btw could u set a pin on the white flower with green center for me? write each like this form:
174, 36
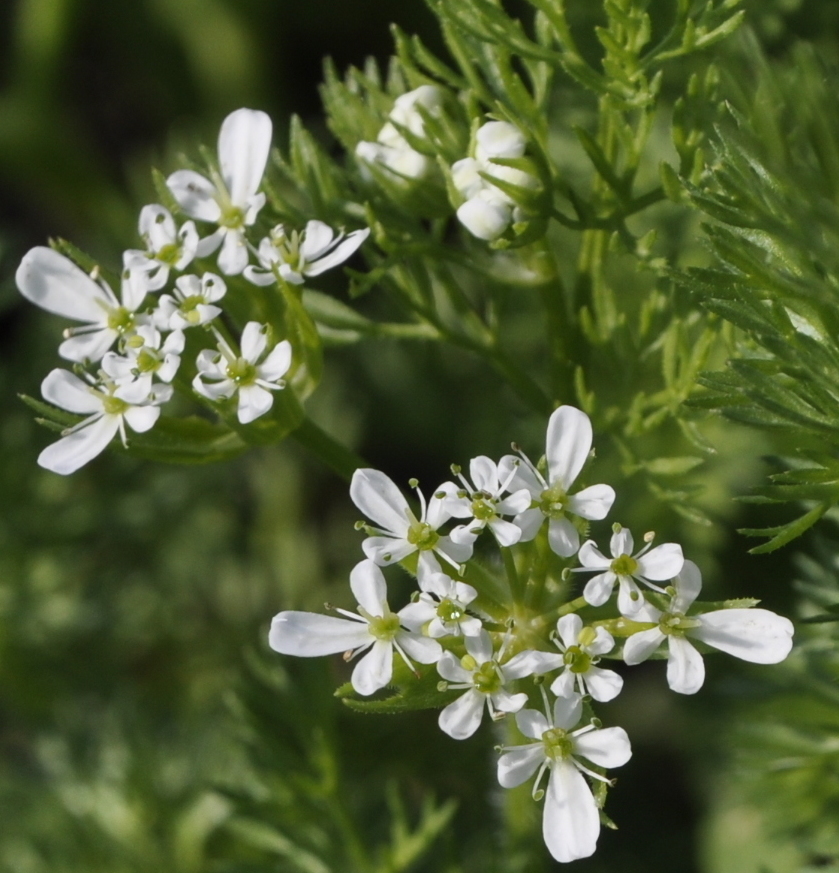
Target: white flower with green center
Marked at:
392, 150
300, 255
167, 247
231, 199
581, 648
484, 677
487, 211
400, 533
223, 374
107, 407
570, 819
441, 608
192, 302
568, 445
650, 565
373, 629
755, 635
482, 502
56, 284
146, 353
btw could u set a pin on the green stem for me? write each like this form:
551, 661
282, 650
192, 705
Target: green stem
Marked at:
571, 606
336, 456
512, 574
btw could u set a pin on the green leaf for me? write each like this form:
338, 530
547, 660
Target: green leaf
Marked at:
675, 466
190, 440
784, 533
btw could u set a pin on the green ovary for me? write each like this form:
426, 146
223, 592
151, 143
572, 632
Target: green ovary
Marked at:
674, 624
120, 319
423, 536
114, 406
558, 744
384, 627
450, 611
232, 216
242, 372
168, 254
625, 565
577, 660
552, 502
148, 361
482, 509
486, 678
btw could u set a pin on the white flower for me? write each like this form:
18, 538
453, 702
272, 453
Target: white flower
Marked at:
487, 211
56, 284
192, 303
223, 373
374, 627
482, 502
108, 408
442, 606
146, 353
231, 201
570, 820
568, 445
755, 635
581, 647
392, 150
480, 673
400, 532
647, 566
166, 247
310, 253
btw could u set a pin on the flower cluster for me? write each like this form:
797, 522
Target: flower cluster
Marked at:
500, 655
128, 349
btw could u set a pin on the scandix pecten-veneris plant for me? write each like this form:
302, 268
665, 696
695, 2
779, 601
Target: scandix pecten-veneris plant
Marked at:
463, 187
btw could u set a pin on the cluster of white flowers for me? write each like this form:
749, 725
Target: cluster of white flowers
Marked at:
487, 211
491, 659
128, 350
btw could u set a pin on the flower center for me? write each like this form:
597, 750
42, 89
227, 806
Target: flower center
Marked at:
114, 406
486, 678
625, 565
676, 623
384, 627
577, 660
242, 372
552, 502
483, 509
232, 216
148, 361
558, 745
120, 319
422, 535
168, 254
450, 611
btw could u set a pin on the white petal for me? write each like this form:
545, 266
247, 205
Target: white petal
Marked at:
640, 646
592, 503
599, 588
567, 711
79, 447
755, 635
479, 647
532, 723
518, 502
507, 533
212, 288
450, 668
621, 543
518, 765
568, 445
524, 477
570, 821
603, 642
471, 626
506, 702
437, 511
276, 365
380, 500
386, 550
88, 346
142, 418
568, 627
233, 257
466, 177
563, 537
369, 587
343, 251
462, 718
419, 648
630, 599
317, 237
254, 340
415, 615
464, 593
688, 584
65, 390
565, 684
157, 225
243, 146
374, 670
254, 401
529, 521
196, 195
484, 474
55, 283
685, 667
484, 219
308, 635
606, 748
530, 663
592, 558
499, 139
458, 552
209, 244
603, 685
662, 563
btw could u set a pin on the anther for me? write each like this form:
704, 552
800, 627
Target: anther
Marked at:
616, 528
359, 525
442, 686
456, 469
413, 482
347, 655
649, 536
515, 447
566, 574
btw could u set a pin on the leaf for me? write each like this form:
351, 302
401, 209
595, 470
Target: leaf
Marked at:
785, 533
675, 466
190, 440
408, 693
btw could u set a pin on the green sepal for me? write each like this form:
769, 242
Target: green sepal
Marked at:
784, 533
50, 416
84, 261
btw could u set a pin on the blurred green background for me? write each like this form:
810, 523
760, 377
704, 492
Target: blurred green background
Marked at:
144, 726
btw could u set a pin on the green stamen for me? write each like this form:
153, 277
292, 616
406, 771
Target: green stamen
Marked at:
486, 678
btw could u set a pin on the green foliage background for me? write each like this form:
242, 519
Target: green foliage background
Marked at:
145, 726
